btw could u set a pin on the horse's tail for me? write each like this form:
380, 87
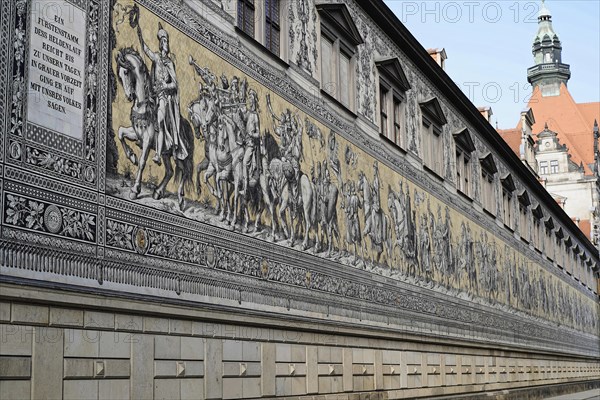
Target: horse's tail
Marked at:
184, 171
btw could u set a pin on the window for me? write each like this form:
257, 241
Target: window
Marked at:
508, 188
245, 14
537, 215
488, 192
262, 20
392, 86
383, 105
543, 167
432, 144
464, 148
272, 27
524, 220
554, 166
548, 240
339, 38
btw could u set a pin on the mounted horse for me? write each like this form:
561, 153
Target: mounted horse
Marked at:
305, 209
136, 81
203, 115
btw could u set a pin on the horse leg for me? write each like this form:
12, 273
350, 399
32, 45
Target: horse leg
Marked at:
160, 190
270, 206
181, 191
282, 215
329, 234
202, 166
131, 135
135, 190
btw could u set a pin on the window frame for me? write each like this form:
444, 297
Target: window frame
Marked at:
464, 149
393, 85
549, 242
242, 17
525, 230
271, 26
508, 197
537, 215
338, 29
432, 138
554, 167
488, 193
543, 167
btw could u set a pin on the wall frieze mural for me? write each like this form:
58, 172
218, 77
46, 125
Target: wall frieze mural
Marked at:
201, 170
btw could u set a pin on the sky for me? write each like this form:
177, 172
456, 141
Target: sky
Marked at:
488, 44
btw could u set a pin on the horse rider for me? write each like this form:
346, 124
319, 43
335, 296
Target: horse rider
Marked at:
167, 95
252, 140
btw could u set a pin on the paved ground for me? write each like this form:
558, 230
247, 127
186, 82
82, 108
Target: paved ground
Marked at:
588, 395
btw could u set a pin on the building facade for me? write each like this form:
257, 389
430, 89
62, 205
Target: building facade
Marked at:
566, 133
239, 199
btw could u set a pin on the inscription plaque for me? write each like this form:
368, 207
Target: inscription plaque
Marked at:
56, 67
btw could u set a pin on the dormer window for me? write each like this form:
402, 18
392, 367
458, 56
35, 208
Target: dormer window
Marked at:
339, 38
488, 176
537, 215
392, 87
524, 220
431, 134
508, 188
554, 166
543, 167
549, 239
464, 148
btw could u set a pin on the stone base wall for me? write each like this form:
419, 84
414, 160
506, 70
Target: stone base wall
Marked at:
118, 348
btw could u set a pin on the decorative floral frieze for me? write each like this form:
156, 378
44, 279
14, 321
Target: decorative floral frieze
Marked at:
41, 216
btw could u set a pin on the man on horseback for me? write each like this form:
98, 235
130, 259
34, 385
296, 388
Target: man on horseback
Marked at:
167, 97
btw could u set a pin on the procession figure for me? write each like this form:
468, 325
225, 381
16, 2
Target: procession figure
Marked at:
288, 128
425, 250
251, 161
371, 220
351, 204
167, 97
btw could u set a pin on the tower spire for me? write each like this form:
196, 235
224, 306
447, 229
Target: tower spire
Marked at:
549, 71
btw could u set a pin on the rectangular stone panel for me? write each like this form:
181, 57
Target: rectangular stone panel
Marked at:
30, 314
81, 343
142, 367
66, 317
213, 379
81, 390
47, 360
4, 312
15, 340
113, 389
15, 390
167, 347
191, 389
15, 367
290, 369
97, 320
167, 389
115, 344
76, 368
246, 369
269, 369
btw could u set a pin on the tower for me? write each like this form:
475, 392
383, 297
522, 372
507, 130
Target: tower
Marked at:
548, 72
